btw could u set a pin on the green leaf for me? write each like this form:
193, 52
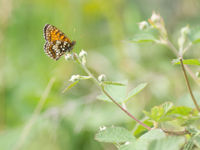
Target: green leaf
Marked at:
187, 61
113, 83
194, 35
160, 113
141, 130
143, 142
117, 92
143, 37
189, 145
70, 86
114, 135
167, 143
182, 110
135, 91
197, 141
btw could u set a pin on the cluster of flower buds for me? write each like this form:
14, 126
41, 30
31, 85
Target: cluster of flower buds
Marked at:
156, 21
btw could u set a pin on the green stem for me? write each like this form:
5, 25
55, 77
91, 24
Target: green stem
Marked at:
101, 87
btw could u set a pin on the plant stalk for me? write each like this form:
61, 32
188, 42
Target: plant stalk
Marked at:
188, 85
101, 87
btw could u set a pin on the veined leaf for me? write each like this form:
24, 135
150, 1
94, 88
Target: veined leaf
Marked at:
114, 135
167, 143
143, 142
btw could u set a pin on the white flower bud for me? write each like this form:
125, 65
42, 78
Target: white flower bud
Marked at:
68, 56
82, 53
102, 77
185, 30
74, 78
102, 128
197, 74
155, 17
143, 25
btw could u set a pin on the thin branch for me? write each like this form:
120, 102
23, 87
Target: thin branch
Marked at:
178, 133
124, 110
99, 85
188, 85
36, 112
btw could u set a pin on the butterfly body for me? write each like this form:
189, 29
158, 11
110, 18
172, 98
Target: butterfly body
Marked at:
57, 43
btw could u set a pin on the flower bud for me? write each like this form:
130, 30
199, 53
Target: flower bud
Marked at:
102, 77
74, 78
82, 53
68, 56
102, 128
143, 25
155, 17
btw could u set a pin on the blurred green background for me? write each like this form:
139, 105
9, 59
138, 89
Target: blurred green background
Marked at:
103, 28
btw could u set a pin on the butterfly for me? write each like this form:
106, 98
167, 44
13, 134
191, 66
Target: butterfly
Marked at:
57, 43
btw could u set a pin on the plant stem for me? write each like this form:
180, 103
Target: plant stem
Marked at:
188, 84
101, 87
35, 114
124, 110
178, 133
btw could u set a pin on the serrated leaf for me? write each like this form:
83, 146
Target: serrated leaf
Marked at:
143, 37
187, 61
182, 110
114, 135
167, 143
143, 142
194, 35
135, 91
160, 113
113, 83
70, 86
117, 92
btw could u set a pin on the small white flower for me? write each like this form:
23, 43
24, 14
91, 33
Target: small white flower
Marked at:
101, 77
127, 143
155, 17
185, 30
197, 74
74, 78
68, 56
82, 53
143, 25
102, 128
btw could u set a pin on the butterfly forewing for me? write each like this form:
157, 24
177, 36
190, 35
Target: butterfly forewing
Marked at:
57, 43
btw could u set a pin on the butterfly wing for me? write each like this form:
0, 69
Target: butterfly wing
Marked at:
57, 43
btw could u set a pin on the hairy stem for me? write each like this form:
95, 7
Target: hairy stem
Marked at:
188, 84
101, 87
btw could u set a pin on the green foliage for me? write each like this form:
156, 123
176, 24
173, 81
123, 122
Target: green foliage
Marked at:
194, 35
187, 61
114, 135
119, 91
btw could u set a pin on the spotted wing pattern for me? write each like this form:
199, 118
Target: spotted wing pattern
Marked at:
57, 43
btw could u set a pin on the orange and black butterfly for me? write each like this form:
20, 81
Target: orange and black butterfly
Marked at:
57, 43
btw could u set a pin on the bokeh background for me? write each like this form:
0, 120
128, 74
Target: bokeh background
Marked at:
104, 29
